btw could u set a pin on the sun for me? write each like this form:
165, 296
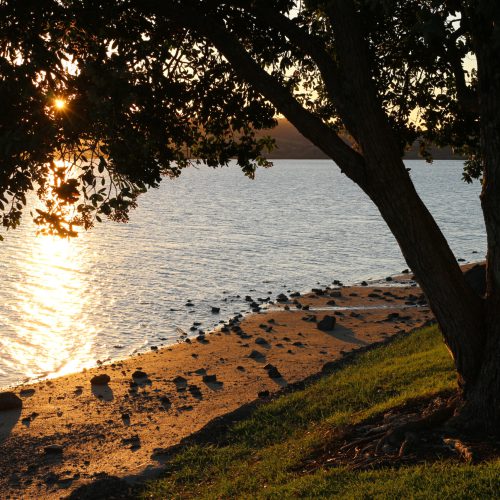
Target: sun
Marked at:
60, 103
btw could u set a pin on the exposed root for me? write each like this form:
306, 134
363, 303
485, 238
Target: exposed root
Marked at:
412, 433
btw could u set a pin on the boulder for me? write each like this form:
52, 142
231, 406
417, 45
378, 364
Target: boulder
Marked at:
327, 323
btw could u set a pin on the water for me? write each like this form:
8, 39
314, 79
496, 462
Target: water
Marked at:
209, 236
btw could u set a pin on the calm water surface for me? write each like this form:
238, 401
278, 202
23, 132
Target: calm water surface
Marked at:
209, 236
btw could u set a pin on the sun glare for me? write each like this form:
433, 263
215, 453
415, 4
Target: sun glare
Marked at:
60, 103
52, 334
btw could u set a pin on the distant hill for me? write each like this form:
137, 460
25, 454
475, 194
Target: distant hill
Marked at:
291, 144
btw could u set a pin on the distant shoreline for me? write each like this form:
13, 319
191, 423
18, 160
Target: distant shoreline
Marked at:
291, 145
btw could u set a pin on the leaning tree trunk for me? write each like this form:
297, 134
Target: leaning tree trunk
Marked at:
482, 406
458, 310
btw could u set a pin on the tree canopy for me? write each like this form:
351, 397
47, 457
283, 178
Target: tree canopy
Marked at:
150, 86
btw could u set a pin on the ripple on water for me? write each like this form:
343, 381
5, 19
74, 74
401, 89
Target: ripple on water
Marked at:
208, 236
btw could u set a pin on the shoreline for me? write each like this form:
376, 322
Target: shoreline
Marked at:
371, 282
69, 432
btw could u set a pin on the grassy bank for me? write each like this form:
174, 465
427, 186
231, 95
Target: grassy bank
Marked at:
263, 456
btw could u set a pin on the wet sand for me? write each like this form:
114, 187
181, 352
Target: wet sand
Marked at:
70, 432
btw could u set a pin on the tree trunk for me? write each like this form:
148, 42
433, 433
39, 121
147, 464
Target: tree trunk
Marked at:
456, 307
482, 405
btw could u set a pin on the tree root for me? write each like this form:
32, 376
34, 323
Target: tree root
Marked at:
413, 433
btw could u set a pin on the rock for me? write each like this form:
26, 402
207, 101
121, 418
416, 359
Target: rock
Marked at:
263, 394
165, 401
53, 449
272, 371
392, 316
261, 341
134, 442
311, 318
10, 401
256, 355
364, 283
327, 323
179, 380
281, 298
209, 378
215, 310
195, 391
26, 393
389, 278
331, 303
139, 374
405, 271
102, 379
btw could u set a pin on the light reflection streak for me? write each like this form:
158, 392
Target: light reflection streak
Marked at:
51, 334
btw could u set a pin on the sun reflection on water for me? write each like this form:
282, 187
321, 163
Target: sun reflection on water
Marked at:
51, 334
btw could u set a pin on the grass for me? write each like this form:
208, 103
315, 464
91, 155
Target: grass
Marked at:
260, 456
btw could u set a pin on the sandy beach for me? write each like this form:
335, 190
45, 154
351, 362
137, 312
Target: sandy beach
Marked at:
70, 432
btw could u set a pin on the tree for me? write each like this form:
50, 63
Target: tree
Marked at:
152, 86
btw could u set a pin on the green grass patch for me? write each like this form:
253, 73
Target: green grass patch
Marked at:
262, 454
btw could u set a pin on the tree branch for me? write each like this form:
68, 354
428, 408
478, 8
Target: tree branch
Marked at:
211, 28
313, 47
467, 98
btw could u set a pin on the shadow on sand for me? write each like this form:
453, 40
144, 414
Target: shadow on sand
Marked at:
103, 392
8, 420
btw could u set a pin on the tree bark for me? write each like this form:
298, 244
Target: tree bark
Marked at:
482, 406
456, 307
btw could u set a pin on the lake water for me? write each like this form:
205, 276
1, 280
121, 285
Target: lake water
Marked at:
206, 237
